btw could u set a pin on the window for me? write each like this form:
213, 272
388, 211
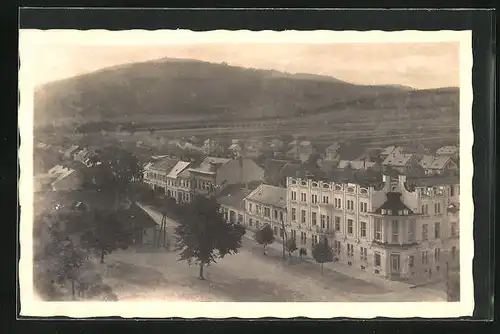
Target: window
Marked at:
425, 259
452, 191
337, 223
303, 237
338, 203
437, 208
257, 209
328, 222
325, 199
250, 207
453, 252
395, 262
363, 207
276, 214
453, 229
349, 226
337, 246
411, 260
294, 234
294, 196
303, 197
437, 230
350, 250
364, 253
267, 212
363, 229
314, 199
240, 218
378, 229
303, 216
250, 222
411, 231
425, 209
281, 215
313, 218
350, 205
395, 231
322, 221
437, 254
314, 239
294, 214
424, 232
377, 260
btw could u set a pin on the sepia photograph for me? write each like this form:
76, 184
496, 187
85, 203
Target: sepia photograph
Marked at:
275, 174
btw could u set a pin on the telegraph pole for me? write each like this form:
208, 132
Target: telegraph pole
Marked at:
447, 282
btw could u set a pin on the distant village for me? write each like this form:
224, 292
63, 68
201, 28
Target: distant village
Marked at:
390, 211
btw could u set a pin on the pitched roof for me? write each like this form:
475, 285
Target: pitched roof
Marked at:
397, 160
387, 150
429, 181
178, 168
267, 194
439, 162
215, 160
427, 161
355, 164
447, 150
305, 143
394, 204
276, 170
234, 198
135, 217
334, 146
164, 165
235, 147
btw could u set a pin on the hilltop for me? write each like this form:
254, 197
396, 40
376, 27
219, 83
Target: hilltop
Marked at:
194, 88
189, 94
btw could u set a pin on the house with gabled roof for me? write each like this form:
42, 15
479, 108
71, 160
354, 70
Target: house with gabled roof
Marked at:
178, 187
449, 151
332, 152
403, 163
232, 204
155, 174
437, 164
266, 205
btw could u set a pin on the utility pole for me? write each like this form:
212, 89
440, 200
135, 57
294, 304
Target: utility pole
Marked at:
447, 282
284, 238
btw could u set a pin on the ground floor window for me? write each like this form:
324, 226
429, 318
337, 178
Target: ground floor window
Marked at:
377, 259
275, 230
395, 262
303, 237
314, 239
350, 250
337, 246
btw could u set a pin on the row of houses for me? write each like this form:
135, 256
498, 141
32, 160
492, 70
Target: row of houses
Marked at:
399, 228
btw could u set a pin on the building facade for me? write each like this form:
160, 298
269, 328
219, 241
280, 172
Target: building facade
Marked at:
155, 174
400, 229
267, 205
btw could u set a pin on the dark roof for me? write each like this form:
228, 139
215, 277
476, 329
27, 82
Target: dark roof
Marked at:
235, 198
393, 205
275, 171
164, 164
434, 180
351, 152
135, 217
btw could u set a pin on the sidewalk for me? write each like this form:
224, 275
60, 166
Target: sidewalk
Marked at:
344, 269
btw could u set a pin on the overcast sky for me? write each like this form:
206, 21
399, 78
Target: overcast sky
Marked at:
419, 65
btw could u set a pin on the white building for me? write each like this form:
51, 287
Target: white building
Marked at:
266, 205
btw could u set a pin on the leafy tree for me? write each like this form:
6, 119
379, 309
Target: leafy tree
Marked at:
322, 252
265, 236
103, 233
61, 256
203, 236
113, 168
291, 246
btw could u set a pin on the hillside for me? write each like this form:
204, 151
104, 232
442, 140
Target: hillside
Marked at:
184, 89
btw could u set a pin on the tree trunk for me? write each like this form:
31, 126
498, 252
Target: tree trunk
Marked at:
73, 289
201, 271
322, 268
102, 255
265, 249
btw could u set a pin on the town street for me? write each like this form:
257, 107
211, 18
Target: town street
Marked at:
249, 276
